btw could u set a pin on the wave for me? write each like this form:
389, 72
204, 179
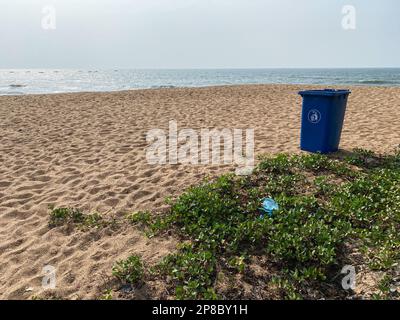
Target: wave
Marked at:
377, 82
8, 93
163, 87
17, 85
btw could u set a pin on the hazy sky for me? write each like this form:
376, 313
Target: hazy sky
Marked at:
198, 34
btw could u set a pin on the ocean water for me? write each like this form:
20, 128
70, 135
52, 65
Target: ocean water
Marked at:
35, 81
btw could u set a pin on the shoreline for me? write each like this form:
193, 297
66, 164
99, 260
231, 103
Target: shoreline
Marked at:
304, 86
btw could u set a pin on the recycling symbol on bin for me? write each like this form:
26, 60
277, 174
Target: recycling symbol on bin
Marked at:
314, 116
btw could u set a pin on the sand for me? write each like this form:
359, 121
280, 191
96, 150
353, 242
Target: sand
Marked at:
87, 150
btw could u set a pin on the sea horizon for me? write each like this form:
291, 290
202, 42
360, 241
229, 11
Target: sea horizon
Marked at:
46, 81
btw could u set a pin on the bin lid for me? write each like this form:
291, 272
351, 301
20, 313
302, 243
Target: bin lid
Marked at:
325, 92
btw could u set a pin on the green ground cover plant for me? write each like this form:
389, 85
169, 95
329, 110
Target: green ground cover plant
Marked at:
327, 204
129, 271
64, 216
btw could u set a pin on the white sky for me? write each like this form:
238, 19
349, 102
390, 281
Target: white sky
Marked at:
199, 34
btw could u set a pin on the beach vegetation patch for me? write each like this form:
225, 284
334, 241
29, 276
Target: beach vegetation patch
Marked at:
139, 218
129, 271
59, 216
73, 216
193, 271
331, 208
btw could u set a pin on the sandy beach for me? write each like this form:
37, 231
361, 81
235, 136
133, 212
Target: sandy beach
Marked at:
88, 150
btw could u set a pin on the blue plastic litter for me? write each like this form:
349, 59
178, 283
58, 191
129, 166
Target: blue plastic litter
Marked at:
268, 207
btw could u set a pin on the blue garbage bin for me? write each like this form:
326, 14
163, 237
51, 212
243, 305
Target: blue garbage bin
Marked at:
322, 119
